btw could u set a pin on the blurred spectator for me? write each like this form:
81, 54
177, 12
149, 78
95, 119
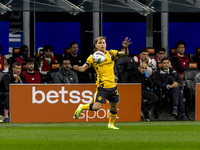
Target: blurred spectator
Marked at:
94, 49
121, 65
91, 70
159, 55
116, 79
74, 57
144, 57
23, 54
30, 75
15, 77
45, 62
77, 59
130, 68
65, 74
196, 79
149, 99
169, 81
3, 61
180, 60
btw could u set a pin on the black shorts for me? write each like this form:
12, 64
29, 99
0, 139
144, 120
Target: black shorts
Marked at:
111, 94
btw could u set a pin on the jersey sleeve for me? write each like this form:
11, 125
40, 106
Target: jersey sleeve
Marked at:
89, 61
114, 54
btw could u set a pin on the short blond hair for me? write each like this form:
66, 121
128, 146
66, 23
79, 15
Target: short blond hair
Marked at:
99, 38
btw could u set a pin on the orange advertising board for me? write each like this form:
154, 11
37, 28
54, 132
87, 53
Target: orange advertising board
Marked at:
58, 102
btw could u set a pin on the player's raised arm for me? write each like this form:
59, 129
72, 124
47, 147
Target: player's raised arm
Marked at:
125, 44
80, 68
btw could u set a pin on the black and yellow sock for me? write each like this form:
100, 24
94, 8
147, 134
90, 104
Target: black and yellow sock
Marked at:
87, 106
112, 117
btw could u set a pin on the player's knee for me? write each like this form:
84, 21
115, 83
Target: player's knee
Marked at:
96, 106
113, 109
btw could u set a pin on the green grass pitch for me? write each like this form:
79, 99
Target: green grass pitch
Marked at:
155, 135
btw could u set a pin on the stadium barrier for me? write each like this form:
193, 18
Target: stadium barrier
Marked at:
197, 113
58, 102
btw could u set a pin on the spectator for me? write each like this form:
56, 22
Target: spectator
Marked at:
180, 60
169, 81
196, 80
149, 99
91, 70
77, 59
3, 61
159, 55
23, 54
94, 49
131, 67
15, 77
74, 57
45, 62
144, 57
121, 65
116, 79
65, 74
30, 75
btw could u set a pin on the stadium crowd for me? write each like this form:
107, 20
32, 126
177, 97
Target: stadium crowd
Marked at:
162, 78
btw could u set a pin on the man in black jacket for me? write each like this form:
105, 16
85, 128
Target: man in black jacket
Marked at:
15, 77
169, 81
77, 59
149, 99
65, 74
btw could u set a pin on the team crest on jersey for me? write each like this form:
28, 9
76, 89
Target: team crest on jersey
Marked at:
99, 98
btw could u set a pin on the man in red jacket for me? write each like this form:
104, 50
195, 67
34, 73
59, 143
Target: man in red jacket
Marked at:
180, 60
30, 75
44, 63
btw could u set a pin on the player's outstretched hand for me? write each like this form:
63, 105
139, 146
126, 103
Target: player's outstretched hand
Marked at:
126, 42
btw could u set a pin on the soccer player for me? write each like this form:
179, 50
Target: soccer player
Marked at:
106, 86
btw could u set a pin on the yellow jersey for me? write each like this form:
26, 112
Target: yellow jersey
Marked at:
105, 70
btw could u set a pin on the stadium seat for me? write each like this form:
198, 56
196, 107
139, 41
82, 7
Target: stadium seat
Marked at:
55, 67
163, 101
172, 52
50, 76
190, 89
15, 52
121, 66
67, 51
151, 51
